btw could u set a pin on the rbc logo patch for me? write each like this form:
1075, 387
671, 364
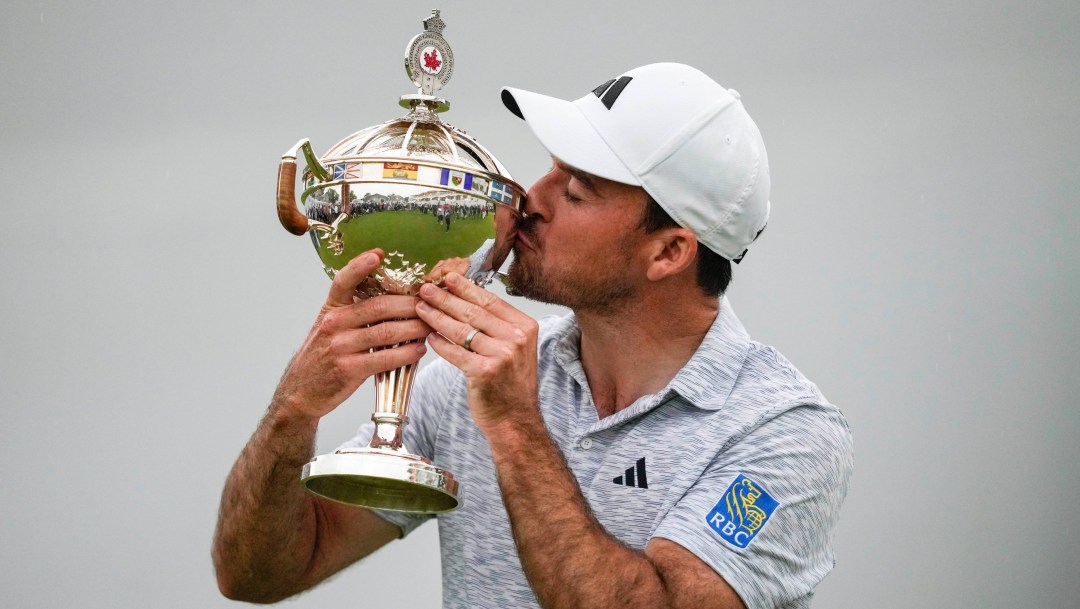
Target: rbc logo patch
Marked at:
744, 508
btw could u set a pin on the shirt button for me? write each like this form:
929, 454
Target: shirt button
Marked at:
586, 443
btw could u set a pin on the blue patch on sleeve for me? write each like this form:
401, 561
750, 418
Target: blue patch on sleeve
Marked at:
742, 511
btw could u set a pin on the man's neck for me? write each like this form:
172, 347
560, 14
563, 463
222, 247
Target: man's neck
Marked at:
637, 349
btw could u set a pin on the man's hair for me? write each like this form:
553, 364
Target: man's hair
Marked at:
713, 270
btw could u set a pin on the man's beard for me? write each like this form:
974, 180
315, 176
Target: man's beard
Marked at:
599, 290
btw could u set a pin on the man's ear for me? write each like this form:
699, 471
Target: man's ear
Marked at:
671, 251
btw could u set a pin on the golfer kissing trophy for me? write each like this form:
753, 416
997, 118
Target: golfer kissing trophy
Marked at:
435, 201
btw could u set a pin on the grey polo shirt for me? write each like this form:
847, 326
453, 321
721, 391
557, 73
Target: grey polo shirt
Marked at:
740, 459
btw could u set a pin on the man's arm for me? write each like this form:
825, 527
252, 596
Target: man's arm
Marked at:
273, 538
568, 557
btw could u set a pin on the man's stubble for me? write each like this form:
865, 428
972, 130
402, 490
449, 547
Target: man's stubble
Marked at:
596, 286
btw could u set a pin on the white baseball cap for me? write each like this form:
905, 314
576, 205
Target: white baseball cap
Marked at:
673, 131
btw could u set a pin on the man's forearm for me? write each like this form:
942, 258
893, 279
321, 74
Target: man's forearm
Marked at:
568, 557
273, 539
267, 524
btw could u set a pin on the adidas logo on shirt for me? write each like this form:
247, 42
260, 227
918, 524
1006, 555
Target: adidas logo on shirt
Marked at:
634, 476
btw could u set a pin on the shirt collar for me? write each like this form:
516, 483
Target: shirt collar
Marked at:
566, 346
707, 378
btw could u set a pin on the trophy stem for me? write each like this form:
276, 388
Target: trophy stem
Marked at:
392, 392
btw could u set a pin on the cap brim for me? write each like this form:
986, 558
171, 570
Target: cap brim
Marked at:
567, 134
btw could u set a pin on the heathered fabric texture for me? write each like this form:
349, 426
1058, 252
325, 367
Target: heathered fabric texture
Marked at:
737, 407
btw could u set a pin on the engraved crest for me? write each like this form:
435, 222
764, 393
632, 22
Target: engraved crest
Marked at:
429, 62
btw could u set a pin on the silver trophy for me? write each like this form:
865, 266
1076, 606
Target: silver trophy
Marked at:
435, 201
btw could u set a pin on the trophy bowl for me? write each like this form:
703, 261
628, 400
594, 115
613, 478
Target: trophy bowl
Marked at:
434, 200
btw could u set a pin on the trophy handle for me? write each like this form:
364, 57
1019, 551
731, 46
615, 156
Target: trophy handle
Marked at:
290, 216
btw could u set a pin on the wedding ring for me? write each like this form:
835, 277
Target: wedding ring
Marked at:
468, 339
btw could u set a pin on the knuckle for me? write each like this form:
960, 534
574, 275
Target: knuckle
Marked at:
335, 344
487, 298
520, 338
385, 333
339, 367
488, 371
330, 321
378, 306
471, 313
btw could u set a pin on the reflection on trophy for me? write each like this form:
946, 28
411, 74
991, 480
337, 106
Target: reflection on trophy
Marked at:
435, 201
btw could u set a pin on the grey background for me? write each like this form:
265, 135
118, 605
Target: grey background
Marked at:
921, 265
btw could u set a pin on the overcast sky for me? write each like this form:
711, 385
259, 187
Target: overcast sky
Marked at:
921, 265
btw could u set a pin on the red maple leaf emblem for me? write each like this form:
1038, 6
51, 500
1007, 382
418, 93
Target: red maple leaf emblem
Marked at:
432, 61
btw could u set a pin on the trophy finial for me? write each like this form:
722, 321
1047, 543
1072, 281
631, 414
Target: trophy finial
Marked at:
429, 62
434, 23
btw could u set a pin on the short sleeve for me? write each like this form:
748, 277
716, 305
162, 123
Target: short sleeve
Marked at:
762, 513
419, 434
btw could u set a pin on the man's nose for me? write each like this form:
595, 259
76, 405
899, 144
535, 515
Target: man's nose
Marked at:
537, 202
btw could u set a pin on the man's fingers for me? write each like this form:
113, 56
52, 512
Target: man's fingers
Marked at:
455, 354
381, 308
386, 359
346, 280
380, 335
455, 317
367, 312
459, 331
470, 292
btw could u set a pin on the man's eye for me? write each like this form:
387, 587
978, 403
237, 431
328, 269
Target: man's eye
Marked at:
571, 198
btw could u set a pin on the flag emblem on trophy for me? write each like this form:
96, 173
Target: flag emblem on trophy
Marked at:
344, 171
457, 179
501, 192
400, 171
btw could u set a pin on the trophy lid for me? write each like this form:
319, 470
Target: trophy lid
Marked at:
420, 135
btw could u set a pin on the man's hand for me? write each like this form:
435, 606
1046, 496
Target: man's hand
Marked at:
501, 361
336, 357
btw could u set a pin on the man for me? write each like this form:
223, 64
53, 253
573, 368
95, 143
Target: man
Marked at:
641, 452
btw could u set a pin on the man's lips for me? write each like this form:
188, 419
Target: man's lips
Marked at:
524, 240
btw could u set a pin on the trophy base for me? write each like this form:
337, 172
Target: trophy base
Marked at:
383, 480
